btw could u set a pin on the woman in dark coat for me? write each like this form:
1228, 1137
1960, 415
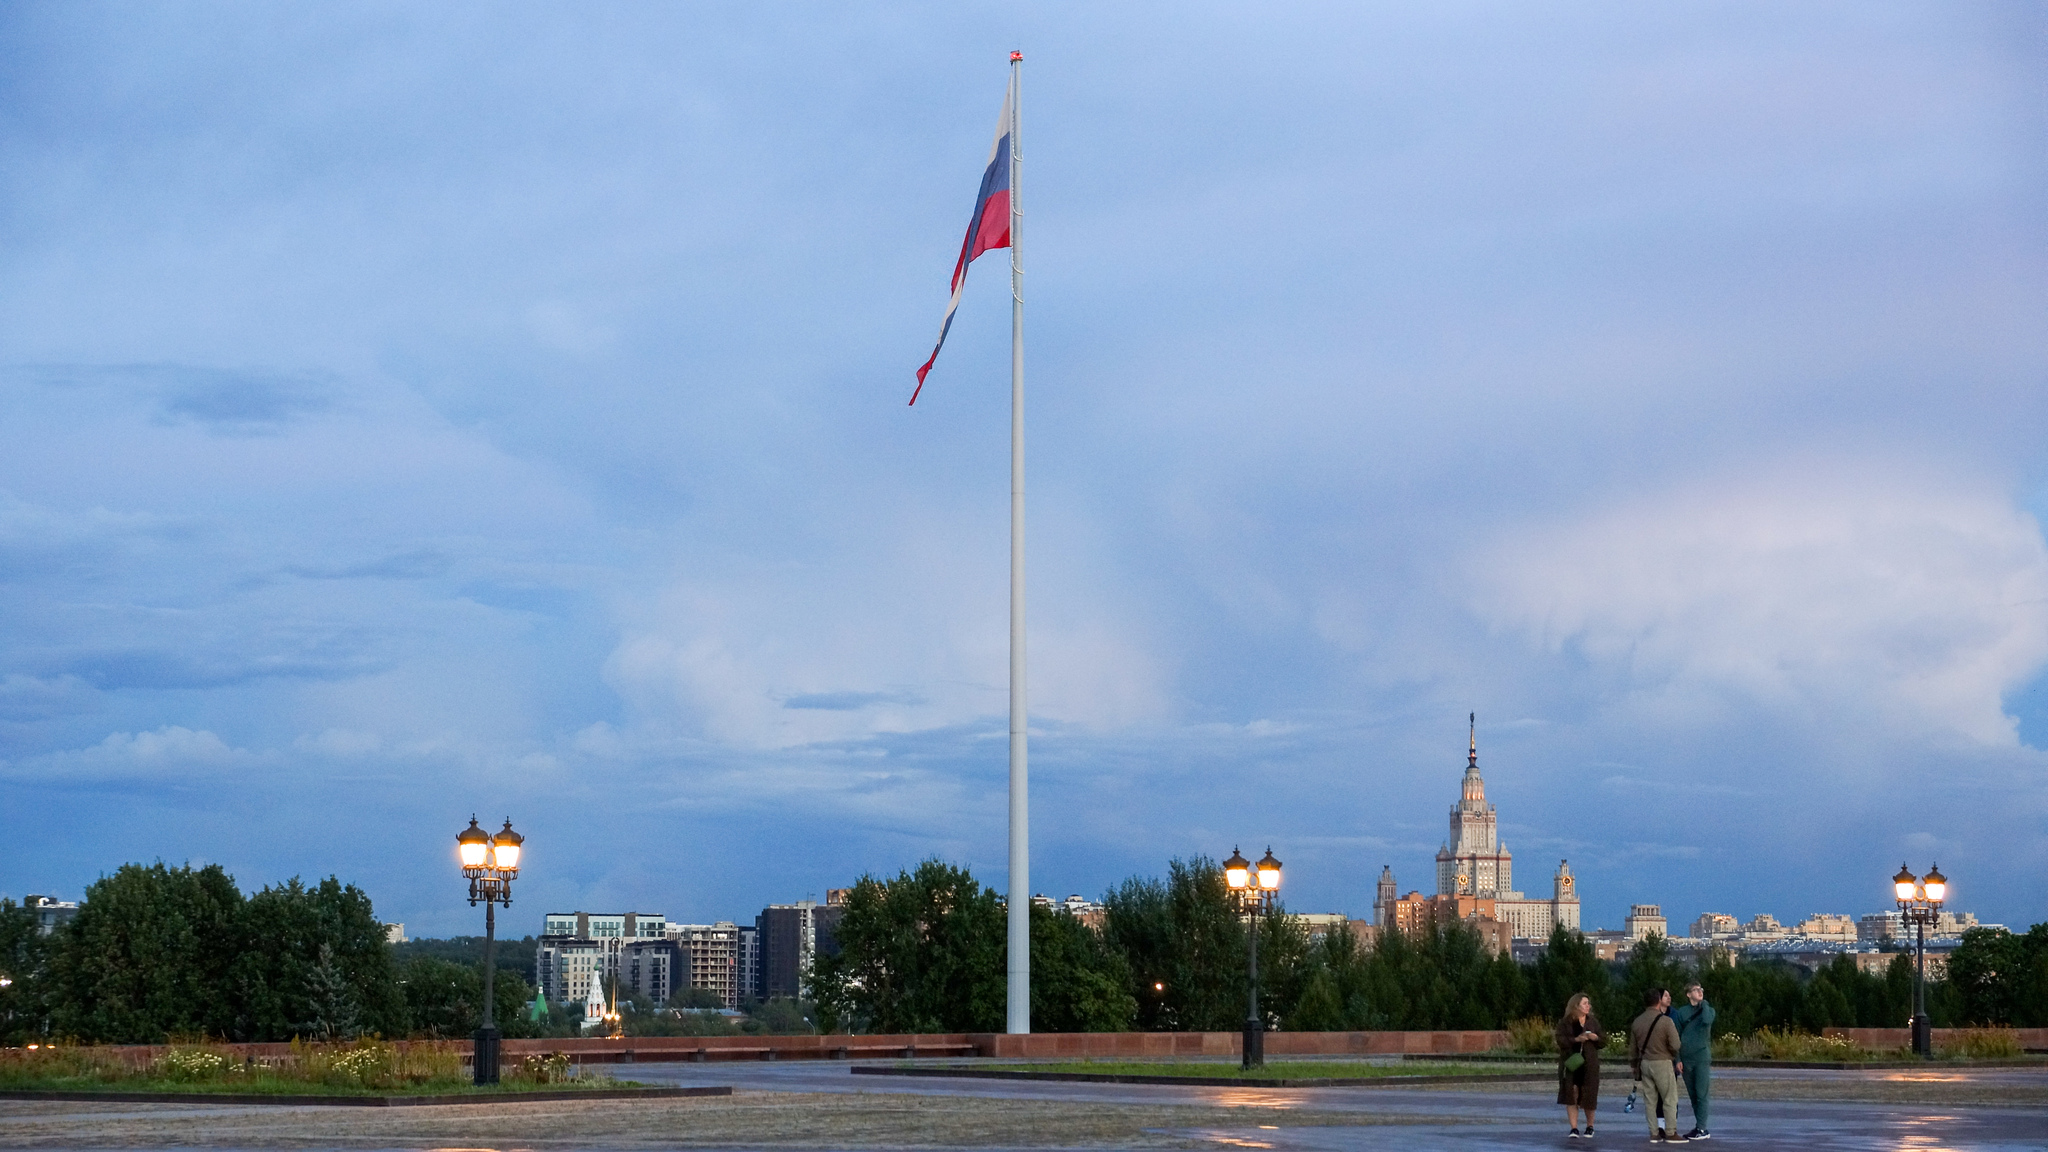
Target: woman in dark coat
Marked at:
1579, 1090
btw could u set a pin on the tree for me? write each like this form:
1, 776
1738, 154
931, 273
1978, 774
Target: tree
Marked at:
1569, 967
1319, 1009
1997, 978
1137, 926
444, 1000
512, 955
692, 998
780, 1016
1898, 992
319, 968
148, 955
1352, 974
1650, 966
1077, 983
921, 953
24, 964
1758, 994
2030, 986
1184, 946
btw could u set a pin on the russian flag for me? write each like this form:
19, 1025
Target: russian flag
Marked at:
988, 228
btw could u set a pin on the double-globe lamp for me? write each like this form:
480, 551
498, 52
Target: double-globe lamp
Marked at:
490, 862
1920, 899
1254, 886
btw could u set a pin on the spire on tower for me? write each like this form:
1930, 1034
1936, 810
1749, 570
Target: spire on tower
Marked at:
1473, 794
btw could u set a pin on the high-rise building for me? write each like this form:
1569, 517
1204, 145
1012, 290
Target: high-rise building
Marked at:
50, 912
1384, 897
1475, 863
1714, 925
750, 963
1826, 926
1642, 921
710, 957
1879, 927
1764, 926
1947, 923
791, 936
629, 951
1416, 912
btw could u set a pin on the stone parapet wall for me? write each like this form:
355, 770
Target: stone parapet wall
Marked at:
1100, 1045
1037, 1045
1882, 1039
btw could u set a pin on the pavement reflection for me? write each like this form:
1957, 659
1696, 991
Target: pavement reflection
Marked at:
1436, 1120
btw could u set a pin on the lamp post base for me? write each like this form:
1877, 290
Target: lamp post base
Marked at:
1254, 1045
1923, 1037
486, 1056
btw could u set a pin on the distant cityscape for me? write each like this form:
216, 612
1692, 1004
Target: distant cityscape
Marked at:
595, 958
1474, 884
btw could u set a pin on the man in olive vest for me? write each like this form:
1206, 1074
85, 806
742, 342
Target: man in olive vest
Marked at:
1695, 1021
1652, 1048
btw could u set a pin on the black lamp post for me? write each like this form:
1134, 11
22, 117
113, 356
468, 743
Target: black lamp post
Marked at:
491, 863
1920, 905
1254, 891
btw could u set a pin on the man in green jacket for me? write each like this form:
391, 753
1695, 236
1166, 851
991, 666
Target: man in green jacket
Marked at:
1695, 1020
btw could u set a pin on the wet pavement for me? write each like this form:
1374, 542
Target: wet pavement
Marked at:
1503, 1117
1478, 1118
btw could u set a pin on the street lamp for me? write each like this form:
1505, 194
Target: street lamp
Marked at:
1254, 894
1920, 900
491, 863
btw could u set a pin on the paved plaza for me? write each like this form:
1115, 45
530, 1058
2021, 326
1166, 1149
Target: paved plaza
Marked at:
820, 1105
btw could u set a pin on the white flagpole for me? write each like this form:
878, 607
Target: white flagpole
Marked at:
1020, 791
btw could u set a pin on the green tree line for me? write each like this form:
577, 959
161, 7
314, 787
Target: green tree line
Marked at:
156, 952
925, 952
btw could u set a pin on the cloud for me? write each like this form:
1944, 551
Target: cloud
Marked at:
803, 655
1854, 593
849, 701
340, 743
226, 401
171, 754
25, 697
418, 564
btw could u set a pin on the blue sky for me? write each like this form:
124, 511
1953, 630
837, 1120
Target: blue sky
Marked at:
501, 408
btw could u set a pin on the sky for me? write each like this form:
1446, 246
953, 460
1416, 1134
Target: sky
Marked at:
414, 412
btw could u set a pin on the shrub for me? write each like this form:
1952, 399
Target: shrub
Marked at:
38, 1065
1533, 1036
1982, 1044
1792, 1044
193, 1064
545, 1068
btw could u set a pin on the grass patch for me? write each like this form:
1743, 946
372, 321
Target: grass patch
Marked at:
362, 1068
1982, 1044
1278, 1070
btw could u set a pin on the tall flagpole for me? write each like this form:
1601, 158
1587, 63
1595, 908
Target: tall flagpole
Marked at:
1020, 790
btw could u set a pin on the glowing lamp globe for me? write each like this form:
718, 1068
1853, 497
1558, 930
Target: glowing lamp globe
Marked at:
505, 848
1936, 885
473, 845
1237, 871
1269, 872
1905, 884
